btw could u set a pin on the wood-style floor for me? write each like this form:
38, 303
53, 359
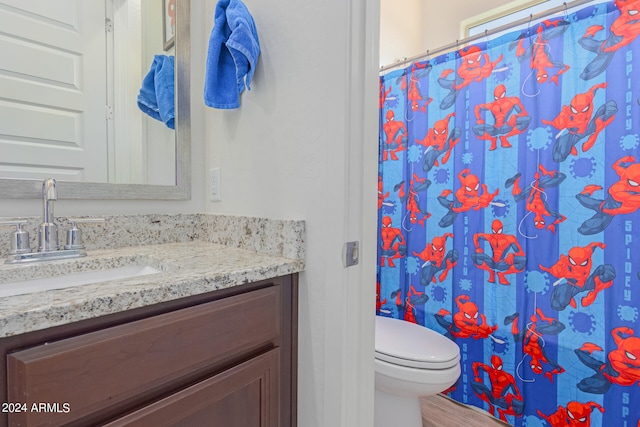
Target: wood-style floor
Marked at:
440, 411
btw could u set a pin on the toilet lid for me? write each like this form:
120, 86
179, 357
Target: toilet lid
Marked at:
407, 344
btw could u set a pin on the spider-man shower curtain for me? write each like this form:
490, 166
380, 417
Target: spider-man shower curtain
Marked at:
509, 188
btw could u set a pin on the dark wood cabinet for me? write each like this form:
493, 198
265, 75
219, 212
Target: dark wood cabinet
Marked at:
225, 358
243, 396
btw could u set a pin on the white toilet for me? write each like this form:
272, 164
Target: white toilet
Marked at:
411, 361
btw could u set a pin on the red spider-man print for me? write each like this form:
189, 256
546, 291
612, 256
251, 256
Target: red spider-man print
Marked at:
453, 388
624, 360
577, 114
416, 184
507, 255
393, 244
577, 121
381, 194
383, 94
509, 118
623, 197
502, 391
574, 275
379, 302
438, 141
407, 306
533, 342
467, 197
393, 132
435, 260
474, 66
622, 31
409, 310
409, 303
468, 322
626, 191
436, 137
576, 414
626, 26
537, 197
622, 366
417, 102
539, 51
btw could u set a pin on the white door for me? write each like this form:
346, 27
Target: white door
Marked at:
53, 90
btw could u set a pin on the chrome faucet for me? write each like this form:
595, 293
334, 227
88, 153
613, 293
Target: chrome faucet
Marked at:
48, 247
48, 231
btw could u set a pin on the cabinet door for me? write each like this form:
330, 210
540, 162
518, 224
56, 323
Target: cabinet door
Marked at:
243, 396
109, 371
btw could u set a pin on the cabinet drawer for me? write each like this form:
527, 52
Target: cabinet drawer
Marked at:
243, 396
98, 372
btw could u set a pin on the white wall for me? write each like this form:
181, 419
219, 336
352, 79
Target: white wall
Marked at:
443, 18
411, 27
297, 148
402, 28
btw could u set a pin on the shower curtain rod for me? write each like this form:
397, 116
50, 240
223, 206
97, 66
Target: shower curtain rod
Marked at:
455, 45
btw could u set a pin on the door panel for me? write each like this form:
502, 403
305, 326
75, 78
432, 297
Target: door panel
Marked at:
243, 396
52, 81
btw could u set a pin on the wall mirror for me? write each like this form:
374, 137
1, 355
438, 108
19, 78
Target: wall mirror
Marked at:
63, 123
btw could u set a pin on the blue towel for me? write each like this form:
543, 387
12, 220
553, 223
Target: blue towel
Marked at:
232, 55
156, 97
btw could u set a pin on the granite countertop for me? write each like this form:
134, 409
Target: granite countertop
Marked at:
188, 268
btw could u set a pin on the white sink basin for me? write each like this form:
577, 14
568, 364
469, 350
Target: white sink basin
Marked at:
66, 281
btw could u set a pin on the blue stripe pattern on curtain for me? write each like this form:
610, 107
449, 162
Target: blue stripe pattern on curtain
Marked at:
509, 188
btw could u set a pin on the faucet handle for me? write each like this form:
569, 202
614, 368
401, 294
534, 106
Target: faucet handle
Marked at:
19, 238
74, 234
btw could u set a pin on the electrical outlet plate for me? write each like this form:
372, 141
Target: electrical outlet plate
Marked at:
214, 185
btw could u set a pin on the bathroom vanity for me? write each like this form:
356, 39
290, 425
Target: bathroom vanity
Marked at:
209, 340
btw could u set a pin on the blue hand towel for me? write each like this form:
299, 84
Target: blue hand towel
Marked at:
232, 55
156, 97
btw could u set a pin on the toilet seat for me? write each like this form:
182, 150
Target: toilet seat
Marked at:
410, 345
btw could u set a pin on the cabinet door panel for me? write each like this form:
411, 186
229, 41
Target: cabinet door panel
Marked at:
101, 372
243, 396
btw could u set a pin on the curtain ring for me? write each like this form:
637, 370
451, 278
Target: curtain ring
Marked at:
566, 12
